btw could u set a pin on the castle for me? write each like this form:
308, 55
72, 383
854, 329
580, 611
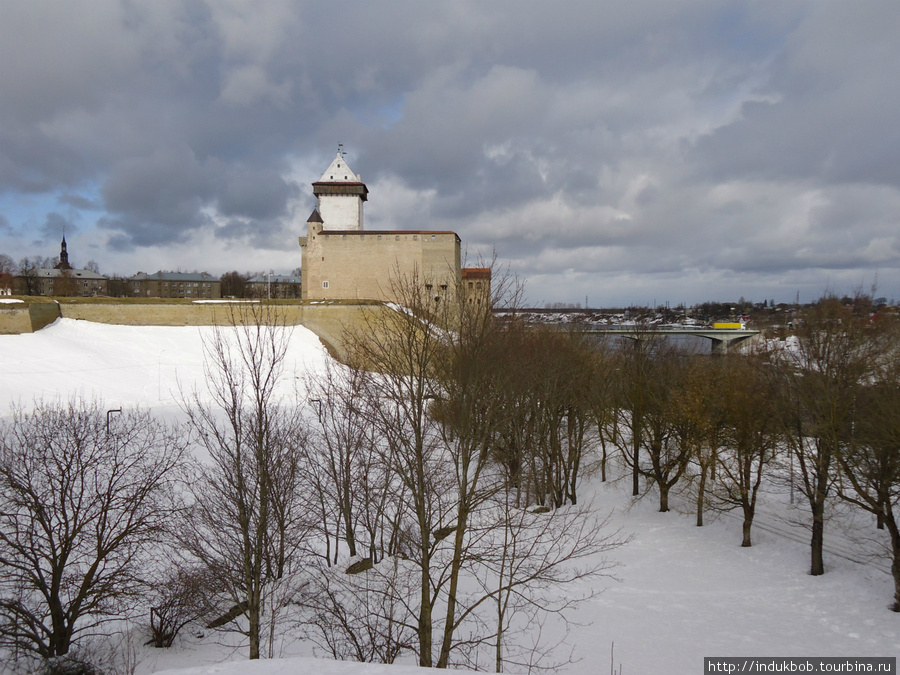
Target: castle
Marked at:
340, 260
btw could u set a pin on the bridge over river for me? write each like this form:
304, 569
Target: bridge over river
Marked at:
722, 338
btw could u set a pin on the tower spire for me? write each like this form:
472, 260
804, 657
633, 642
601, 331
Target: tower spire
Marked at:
63, 263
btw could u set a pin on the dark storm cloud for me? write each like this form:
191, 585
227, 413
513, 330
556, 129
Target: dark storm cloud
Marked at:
32, 163
257, 192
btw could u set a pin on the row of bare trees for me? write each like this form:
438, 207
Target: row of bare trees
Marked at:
819, 410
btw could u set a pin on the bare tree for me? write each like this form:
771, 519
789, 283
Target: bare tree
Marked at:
661, 440
347, 471
697, 406
28, 273
640, 351
7, 272
549, 405
526, 563
837, 348
246, 523
82, 500
234, 284
751, 438
180, 595
870, 460
401, 350
362, 616
604, 402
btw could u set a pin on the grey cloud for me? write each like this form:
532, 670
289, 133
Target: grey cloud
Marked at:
79, 202
32, 163
56, 225
258, 192
831, 105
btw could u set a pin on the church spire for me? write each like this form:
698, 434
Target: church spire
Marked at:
63, 263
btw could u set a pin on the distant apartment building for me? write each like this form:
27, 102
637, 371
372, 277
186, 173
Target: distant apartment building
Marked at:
275, 286
188, 285
63, 280
64, 283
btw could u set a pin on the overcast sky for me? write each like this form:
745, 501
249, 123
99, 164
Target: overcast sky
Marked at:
621, 152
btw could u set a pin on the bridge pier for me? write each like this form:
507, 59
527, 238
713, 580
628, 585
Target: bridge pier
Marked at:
720, 346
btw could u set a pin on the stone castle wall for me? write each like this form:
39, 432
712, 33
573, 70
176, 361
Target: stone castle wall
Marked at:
327, 321
361, 265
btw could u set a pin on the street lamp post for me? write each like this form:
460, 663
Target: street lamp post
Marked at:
108, 413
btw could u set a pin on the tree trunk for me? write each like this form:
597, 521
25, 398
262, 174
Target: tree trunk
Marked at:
701, 493
663, 497
894, 530
424, 624
817, 562
253, 616
748, 522
635, 471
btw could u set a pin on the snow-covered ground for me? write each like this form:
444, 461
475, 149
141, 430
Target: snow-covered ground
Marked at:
681, 592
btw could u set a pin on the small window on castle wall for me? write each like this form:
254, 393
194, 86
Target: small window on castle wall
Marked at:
324, 284
379, 237
415, 237
397, 237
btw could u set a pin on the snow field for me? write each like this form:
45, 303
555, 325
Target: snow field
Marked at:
682, 592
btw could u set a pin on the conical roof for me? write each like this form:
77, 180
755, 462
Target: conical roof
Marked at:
339, 172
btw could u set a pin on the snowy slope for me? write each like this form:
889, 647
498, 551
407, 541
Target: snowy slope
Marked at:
123, 365
682, 592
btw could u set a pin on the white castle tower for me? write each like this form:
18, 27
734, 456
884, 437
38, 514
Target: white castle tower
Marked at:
341, 194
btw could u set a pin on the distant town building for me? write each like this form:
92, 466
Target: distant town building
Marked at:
275, 286
70, 283
191, 285
62, 280
340, 260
